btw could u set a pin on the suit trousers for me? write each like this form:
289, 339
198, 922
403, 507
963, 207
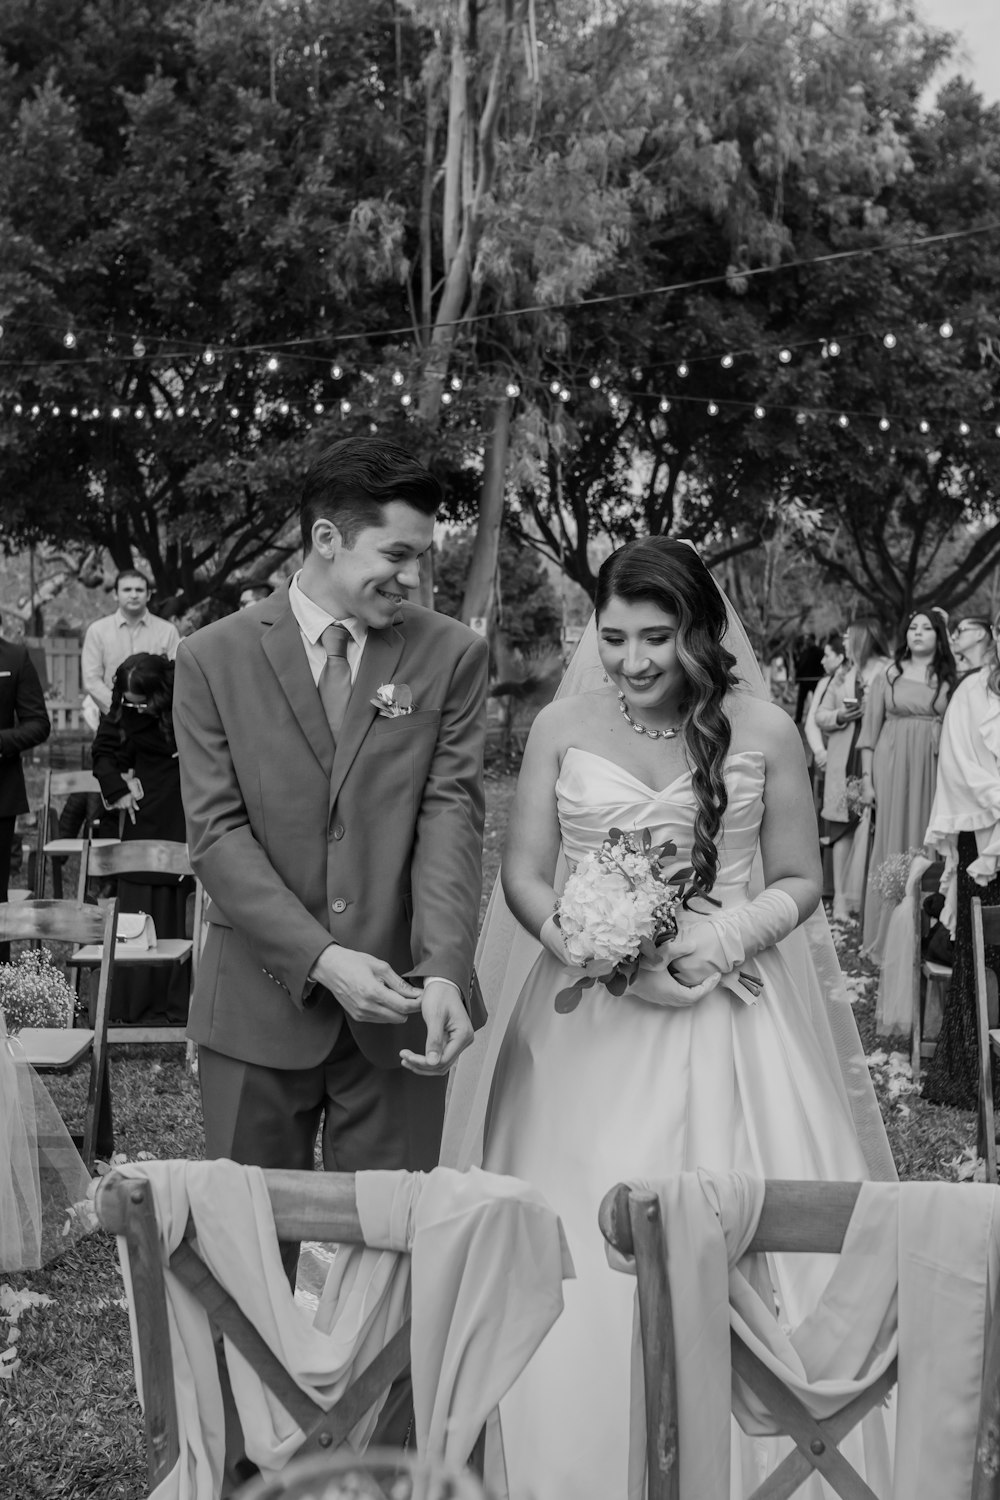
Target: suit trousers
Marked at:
371, 1118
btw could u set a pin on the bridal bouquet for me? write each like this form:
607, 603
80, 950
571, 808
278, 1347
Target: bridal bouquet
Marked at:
617, 908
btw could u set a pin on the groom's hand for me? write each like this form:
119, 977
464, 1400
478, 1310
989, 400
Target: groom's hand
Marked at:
449, 1030
368, 988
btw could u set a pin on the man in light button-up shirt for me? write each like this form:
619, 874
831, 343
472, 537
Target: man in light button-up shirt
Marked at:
113, 639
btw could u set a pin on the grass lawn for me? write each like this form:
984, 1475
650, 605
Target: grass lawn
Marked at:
69, 1422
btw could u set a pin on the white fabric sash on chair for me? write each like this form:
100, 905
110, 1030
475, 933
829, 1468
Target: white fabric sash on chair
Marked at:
916, 1276
487, 1258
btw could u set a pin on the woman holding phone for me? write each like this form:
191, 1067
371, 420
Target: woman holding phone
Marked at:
839, 716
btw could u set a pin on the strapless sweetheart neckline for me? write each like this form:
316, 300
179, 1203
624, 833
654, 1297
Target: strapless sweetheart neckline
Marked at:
684, 776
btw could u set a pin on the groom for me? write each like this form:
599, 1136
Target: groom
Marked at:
331, 756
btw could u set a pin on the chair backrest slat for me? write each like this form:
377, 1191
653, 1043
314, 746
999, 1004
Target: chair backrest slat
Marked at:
62, 921
991, 926
314, 1206
139, 856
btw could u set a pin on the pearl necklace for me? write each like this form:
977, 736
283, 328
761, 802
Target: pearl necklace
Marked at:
653, 734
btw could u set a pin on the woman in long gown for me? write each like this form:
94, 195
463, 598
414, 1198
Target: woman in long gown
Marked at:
684, 1070
899, 747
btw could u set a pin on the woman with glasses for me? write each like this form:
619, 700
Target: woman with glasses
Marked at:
135, 761
973, 644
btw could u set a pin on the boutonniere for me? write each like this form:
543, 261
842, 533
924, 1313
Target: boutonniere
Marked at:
393, 700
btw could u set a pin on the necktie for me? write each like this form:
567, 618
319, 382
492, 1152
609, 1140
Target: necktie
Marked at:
335, 678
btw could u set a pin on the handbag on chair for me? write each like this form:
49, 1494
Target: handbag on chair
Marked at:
135, 931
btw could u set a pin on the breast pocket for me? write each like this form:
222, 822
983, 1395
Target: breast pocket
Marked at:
418, 725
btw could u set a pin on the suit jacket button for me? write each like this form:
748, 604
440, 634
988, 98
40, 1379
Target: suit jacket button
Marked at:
339, 905
338, 831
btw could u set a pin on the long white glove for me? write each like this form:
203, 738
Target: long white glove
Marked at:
726, 942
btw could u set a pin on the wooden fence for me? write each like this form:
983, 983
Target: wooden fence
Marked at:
61, 679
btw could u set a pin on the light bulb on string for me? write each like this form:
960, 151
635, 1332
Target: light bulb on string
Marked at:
713, 410
843, 420
283, 408
138, 348
456, 383
554, 387
997, 431
373, 427
180, 411
446, 398
564, 394
95, 413
963, 428
139, 413
889, 340
208, 357
258, 412
74, 411
69, 339
234, 412
925, 426
116, 412
613, 400
55, 411
758, 412
595, 382
345, 407
319, 408
884, 424
726, 361
785, 356
18, 409
683, 370
800, 418
512, 389
946, 330
664, 404
35, 410
272, 364
397, 377
834, 348
405, 400
336, 371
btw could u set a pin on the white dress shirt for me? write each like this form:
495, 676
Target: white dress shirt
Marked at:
113, 639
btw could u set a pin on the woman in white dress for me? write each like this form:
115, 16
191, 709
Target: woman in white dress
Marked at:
685, 1069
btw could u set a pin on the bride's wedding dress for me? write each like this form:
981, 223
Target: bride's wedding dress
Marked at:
622, 1089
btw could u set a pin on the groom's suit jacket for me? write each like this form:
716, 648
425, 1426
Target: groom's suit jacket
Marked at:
377, 846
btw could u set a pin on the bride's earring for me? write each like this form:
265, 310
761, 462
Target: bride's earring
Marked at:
605, 676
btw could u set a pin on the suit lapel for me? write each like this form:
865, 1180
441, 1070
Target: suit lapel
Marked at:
383, 648
282, 645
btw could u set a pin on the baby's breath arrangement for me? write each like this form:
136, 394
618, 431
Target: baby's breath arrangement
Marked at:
889, 880
33, 992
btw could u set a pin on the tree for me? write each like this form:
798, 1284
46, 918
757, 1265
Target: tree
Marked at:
529, 610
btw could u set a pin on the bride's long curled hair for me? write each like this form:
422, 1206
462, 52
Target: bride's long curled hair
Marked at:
671, 575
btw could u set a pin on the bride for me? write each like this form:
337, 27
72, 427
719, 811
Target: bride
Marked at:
687, 1068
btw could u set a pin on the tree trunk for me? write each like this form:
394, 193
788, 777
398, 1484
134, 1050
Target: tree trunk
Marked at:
479, 600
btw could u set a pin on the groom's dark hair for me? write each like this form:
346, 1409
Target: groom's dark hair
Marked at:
352, 479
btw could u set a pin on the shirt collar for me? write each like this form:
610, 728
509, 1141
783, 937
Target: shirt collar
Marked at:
121, 619
313, 619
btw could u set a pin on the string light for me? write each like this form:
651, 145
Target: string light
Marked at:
564, 394
512, 389
682, 371
405, 400
595, 383
234, 411
318, 409
800, 417
727, 361
69, 339
889, 340
884, 424
345, 407
116, 412
963, 428
843, 420
925, 426
272, 364
758, 412
180, 411
834, 348
554, 386
336, 372
446, 398
785, 355
138, 349
397, 377
664, 404
456, 383
946, 330
208, 357
713, 410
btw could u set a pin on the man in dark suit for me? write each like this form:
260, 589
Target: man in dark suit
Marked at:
331, 755
24, 722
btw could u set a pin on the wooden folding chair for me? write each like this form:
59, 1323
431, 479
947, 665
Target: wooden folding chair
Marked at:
59, 784
306, 1205
810, 1217
56, 1049
144, 857
986, 934
929, 980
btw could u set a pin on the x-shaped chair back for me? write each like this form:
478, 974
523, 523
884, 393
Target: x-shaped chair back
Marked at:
809, 1217
306, 1206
